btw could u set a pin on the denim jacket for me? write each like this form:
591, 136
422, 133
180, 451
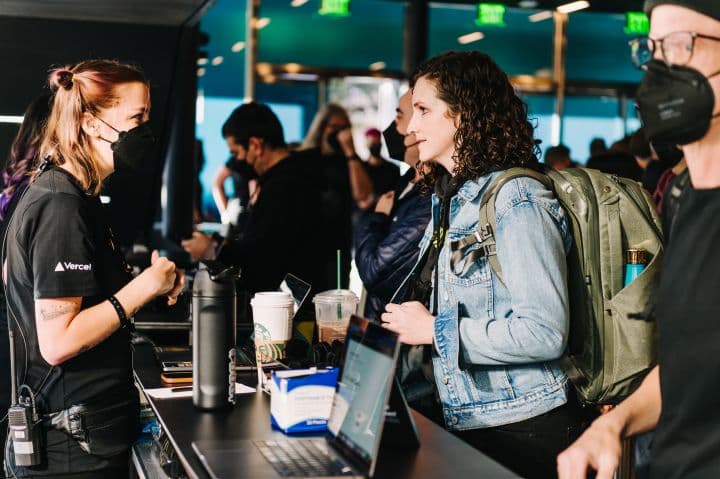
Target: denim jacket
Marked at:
495, 343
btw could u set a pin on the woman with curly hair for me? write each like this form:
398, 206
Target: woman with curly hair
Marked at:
494, 343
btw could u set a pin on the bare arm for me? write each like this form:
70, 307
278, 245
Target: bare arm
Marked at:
64, 331
218, 188
360, 183
599, 447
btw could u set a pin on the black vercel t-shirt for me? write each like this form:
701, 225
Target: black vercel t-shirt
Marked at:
59, 245
687, 442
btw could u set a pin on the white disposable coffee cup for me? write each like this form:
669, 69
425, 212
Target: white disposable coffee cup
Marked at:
272, 318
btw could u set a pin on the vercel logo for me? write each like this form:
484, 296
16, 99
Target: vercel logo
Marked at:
68, 266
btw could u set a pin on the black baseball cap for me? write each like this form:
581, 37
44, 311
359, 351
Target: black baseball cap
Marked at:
711, 8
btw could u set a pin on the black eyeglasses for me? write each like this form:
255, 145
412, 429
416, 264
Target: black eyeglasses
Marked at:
676, 48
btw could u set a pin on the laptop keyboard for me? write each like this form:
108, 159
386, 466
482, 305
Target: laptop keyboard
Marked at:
302, 458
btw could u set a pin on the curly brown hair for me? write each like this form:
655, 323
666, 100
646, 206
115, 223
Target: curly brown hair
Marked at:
493, 128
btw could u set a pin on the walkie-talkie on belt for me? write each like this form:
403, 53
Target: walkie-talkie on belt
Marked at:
23, 420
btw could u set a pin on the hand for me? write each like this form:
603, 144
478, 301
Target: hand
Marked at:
345, 140
599, 448
198, 246
412, 321
160, 275
177, 287
385, 203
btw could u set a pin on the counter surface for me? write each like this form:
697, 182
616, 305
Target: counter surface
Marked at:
440, 454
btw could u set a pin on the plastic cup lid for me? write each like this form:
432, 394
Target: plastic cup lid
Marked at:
336, 296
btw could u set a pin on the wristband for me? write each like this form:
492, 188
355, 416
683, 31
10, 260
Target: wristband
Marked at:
124, 321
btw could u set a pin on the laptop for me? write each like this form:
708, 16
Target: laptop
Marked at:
355, 426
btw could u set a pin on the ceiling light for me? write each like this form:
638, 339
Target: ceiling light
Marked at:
377, 66
470, 37
11, 119
540, 16
263, 69
573, 6
237, 47
298, 3
201, 72
527, 3
261, 23
217, 60
202, 61
299, 76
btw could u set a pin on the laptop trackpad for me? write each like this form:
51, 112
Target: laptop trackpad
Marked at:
223, 459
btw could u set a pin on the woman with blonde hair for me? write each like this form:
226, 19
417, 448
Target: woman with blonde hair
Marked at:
348, 185
70, 296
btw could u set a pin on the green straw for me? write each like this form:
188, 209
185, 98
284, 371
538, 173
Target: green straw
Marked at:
338, 269
339, 306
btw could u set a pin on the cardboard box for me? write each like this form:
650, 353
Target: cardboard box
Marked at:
301, 399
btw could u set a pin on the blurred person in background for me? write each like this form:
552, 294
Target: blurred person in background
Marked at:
284, 232
386, 239
348, 187
558, 157
597, 146
243, 176
383, 174
617, 161
23, 159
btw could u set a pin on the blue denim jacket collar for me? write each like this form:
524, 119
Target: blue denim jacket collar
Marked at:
472, 188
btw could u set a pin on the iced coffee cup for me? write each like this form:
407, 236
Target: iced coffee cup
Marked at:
272, 319
333, 309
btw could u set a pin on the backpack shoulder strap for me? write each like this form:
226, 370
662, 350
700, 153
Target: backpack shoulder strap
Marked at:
484, 235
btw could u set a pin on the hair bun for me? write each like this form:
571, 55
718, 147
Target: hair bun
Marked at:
63, 78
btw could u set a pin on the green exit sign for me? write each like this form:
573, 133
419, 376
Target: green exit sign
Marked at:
637, 23
335, 8
490, 14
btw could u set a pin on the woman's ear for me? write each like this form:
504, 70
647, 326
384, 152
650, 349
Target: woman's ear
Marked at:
89, 125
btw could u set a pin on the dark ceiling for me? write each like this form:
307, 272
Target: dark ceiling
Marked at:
141, 12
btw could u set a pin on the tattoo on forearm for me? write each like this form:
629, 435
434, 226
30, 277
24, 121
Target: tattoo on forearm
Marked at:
48, 313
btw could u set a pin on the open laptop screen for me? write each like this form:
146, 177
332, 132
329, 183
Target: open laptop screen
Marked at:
297, 288
358, 412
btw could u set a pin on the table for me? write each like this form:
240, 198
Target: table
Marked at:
441, 454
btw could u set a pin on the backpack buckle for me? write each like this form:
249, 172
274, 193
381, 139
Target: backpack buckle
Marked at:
483, 233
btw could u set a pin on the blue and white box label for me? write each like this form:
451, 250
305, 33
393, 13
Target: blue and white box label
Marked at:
301, 399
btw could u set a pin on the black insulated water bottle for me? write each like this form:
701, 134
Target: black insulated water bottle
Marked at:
214, 319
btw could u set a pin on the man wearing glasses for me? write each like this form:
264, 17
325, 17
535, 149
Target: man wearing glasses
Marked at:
681, 396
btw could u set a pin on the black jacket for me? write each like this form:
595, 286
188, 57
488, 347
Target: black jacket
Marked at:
386, 247
284, 231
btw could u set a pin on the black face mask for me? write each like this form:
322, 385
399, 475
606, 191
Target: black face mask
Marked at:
375, 150
675, 103
395, 142
131, 147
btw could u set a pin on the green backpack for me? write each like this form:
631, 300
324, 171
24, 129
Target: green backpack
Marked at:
608, 352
